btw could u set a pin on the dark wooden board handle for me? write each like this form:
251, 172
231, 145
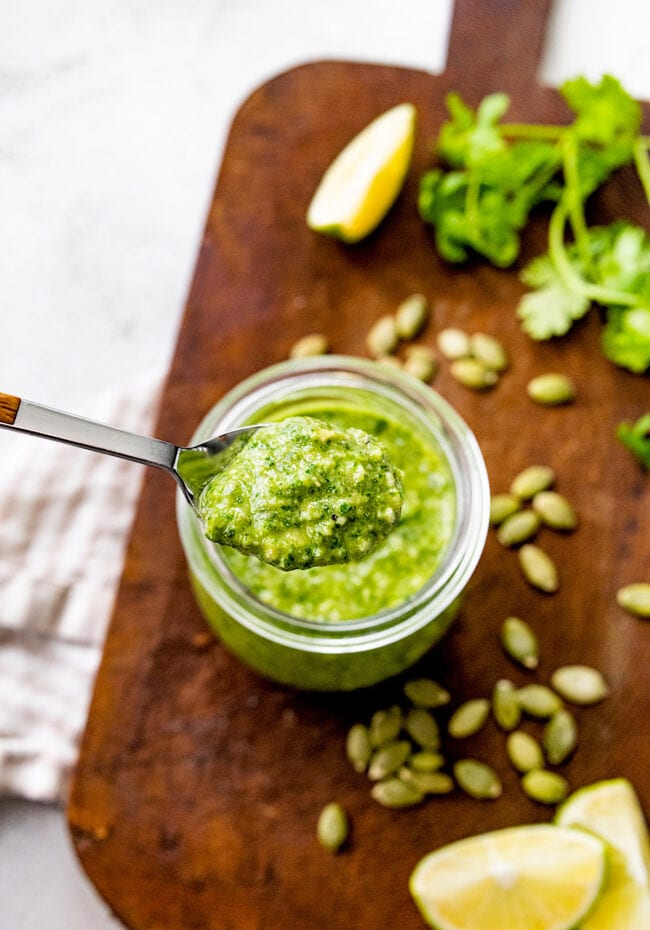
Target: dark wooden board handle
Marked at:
8, 408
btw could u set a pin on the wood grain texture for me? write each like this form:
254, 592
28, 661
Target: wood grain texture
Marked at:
199, 784
8, 408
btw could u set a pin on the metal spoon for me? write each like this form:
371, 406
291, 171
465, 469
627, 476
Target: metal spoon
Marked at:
191, 466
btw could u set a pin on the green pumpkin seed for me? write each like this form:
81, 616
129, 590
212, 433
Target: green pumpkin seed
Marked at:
538, 568
524, 751
635, 599
544, 786
477, 779
503, 506
580, 684
385, 725
555, 511
560, 736
453, 343
538, 700
519, 642
518, 528
551, 389
395, 793
531, 480
312, 344
388, 759
489, 351
391, 361
469, 718
421, 726
358, 747
382, 338
426, 761
411, 316
473, 374
427, 782
421, 362
506, 708
424, 692
333, 827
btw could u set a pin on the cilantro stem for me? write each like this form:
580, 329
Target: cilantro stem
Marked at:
642, 163
532, 131
573, 198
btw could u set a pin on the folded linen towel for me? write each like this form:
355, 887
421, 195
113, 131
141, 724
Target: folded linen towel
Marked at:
65, 516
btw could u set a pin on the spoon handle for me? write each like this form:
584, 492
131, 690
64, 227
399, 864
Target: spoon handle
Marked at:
26, 417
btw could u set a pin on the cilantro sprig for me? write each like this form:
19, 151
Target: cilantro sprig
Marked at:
636, 436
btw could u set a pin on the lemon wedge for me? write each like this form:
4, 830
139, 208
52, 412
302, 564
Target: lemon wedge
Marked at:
363, 181
611, 810
537, 877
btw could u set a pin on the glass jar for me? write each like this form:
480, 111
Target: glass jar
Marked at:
305, 646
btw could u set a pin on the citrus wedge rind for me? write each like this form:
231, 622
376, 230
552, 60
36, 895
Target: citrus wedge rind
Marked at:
363, 181
539, 877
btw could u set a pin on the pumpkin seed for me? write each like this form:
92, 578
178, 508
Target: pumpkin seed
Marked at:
427, 782
426, 761
388, 759
453, 343
489, 351
538, 700
411, 316
312, 344
385, 725
423, 729
580, 684
424, 692
560, 736
358, 747
555, 511
544, 786
382, 338
333, 827
518, 528
469, 718
395, 793
520, 642
635, 599
531, 480
524, 751
503, 506
551, 389
473, 374
391, 361
538, 568
421, 362
506, 708
477, 779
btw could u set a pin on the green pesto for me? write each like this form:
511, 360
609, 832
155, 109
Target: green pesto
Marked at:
396, 568
301, 493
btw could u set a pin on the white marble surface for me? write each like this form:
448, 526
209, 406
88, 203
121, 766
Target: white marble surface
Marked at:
113, 115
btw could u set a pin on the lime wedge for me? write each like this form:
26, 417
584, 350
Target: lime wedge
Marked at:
539, 877
363, 181
611, 810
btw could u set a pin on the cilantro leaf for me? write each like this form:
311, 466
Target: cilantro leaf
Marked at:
626, 338
469, 136
636, 436
606, 115
552, 307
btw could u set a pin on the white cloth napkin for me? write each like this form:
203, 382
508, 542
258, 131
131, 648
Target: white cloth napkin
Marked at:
65, 515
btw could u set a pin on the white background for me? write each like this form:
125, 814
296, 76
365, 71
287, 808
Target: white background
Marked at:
113, 117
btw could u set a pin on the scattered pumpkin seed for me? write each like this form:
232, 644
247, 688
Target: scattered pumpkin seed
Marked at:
395, 793
333, 827
489, 351
551, 389
531, 480
382, 338
469, 718
453, 343
477, 779
411, 316
426, 761
555, 511
358, 747
388, 759
580, 684
520, 642
518, 528
538, 700
392, 361
560, 736
524, 751
473, 374
422, 727
538, 568
544, 786
421, 362
385, 725
503, 506
427, 782
424, 692
635, 599
312, 344
506, 708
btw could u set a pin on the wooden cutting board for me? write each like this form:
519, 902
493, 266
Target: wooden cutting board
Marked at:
199, 784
